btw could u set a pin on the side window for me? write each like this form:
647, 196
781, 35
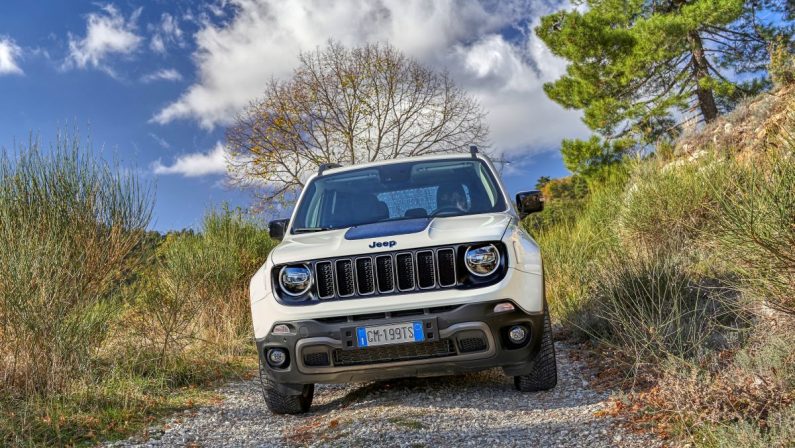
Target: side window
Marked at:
309, 215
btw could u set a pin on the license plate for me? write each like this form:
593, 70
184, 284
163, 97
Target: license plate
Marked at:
389, 334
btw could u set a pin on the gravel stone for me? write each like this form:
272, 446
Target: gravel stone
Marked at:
479, 409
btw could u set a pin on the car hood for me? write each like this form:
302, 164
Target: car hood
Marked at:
393, 236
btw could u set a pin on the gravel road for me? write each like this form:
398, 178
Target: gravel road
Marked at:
480, 409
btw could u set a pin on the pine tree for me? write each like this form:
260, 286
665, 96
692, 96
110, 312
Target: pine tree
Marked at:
543, 180
636, 67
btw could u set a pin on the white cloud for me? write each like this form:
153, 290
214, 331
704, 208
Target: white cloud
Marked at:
107, 33
196, 164
9, 52
508, 81
167, 32
160, 140
236, 57
169, 74
157, 45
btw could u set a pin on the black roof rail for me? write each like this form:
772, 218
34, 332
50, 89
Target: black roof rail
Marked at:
327, 166
474, 151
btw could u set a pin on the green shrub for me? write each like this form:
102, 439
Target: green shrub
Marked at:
197, 291
730, 399
757, 228
778, 433
102, 323
555, 213
667, 207
572, 248
637, 266
69, 227
651, 307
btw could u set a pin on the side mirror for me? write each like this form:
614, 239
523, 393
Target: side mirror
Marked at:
529, 202
277, 228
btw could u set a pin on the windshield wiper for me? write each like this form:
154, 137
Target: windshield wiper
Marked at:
311, 229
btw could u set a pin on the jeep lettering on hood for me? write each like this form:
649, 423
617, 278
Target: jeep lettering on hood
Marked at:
375, 244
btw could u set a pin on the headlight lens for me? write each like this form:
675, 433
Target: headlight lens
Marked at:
295, 280
483, 260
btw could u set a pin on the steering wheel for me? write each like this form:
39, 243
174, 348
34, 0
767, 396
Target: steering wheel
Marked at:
446, 209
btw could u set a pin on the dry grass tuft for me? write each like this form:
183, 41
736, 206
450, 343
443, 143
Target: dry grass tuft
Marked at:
70, 227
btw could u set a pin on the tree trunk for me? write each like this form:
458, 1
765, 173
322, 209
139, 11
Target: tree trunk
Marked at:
706, 100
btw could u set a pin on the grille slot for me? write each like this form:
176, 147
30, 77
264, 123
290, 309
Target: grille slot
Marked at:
365, 280
325, 279
333, 320
446, 264
404, 313
385, 273
394, 353
345, 281
443, 309
426, 278
469, 345
405, 271
370, 316
316, 359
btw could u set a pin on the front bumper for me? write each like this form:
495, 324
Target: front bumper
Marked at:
459, 338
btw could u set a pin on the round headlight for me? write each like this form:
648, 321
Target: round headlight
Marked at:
482, 261
295, 280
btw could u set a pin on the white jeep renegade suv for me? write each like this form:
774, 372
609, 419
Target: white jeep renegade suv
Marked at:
403, 268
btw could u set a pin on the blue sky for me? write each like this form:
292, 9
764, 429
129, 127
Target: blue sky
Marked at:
155, 83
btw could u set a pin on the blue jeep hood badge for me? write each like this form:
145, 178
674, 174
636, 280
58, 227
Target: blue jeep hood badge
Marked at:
387, 228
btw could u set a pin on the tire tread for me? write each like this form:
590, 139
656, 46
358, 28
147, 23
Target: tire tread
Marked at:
279, 403
545, 370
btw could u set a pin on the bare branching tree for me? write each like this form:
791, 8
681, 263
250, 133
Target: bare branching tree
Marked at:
348, 106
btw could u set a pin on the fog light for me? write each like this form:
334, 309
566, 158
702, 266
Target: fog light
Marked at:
277, 357
503, 307
517, 334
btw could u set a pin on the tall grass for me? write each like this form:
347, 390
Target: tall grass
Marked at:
651, 306
670, 206
196, 293
635, 268
69, 226
757, 227
103, 325
668, 268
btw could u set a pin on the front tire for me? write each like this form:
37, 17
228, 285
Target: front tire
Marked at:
545, 369
280, 403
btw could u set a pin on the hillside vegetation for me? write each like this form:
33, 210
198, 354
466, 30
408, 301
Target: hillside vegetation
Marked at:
105, 326
680, 266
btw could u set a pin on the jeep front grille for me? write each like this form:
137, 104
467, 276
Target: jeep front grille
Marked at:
389, 273
386, 273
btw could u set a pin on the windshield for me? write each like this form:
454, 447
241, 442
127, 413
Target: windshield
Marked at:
398, 191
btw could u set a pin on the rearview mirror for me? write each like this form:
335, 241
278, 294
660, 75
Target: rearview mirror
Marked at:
529, 202
277, 228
